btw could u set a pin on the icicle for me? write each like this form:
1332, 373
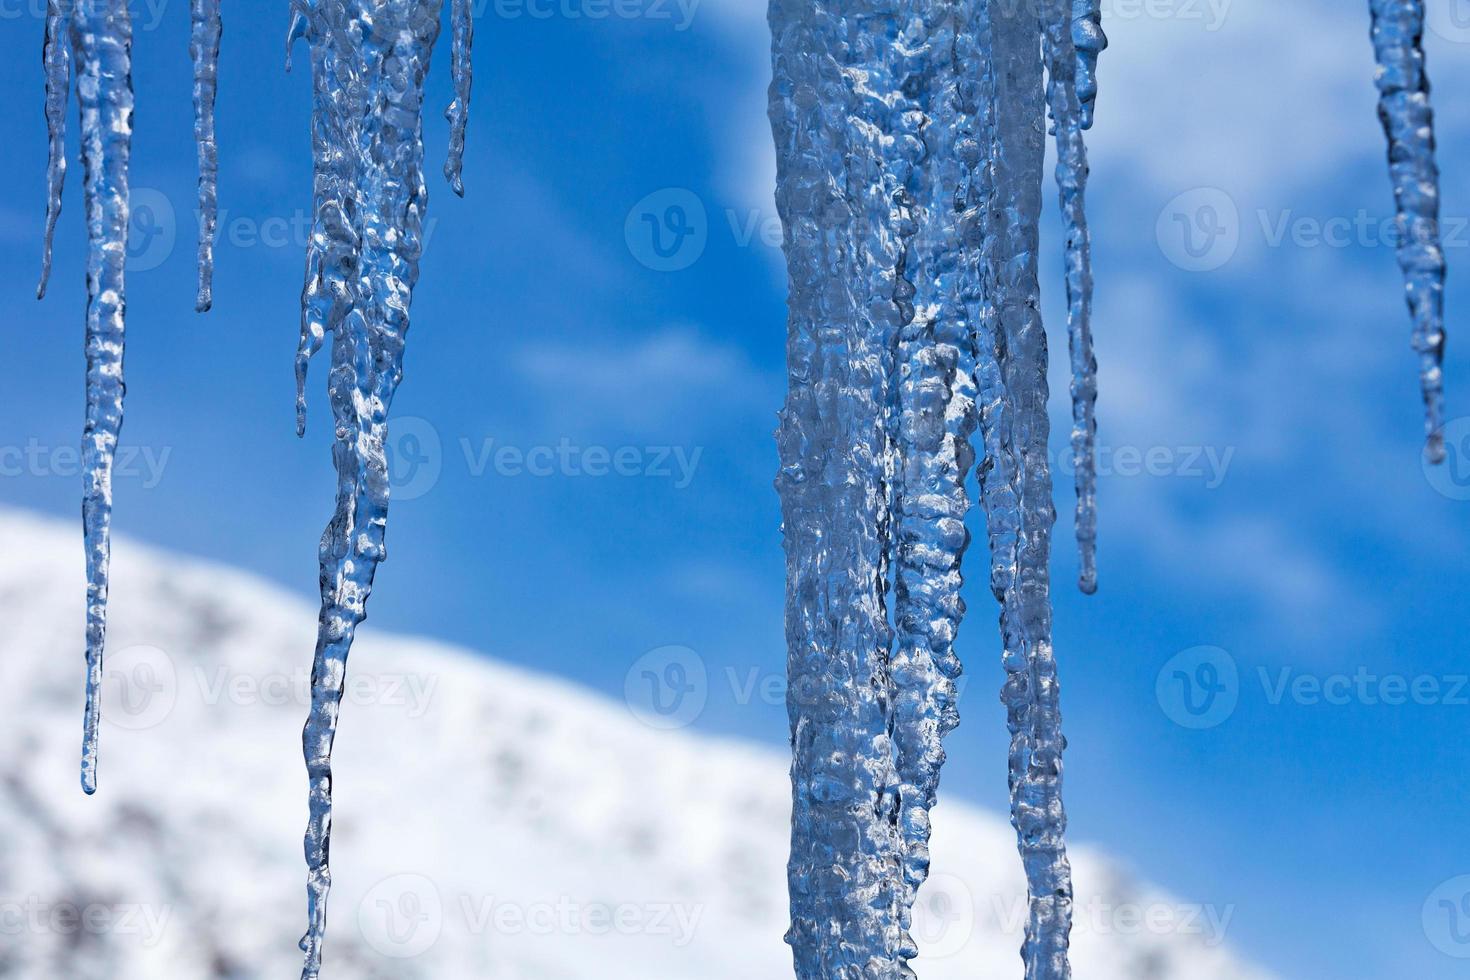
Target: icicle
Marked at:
825, 105
1089, 41
102, 36
1016, 480
56, 56
369, 59
458, 114
935, 419
204, 42
1063, 99
1408, 122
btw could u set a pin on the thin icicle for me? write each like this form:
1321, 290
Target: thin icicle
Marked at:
1408, 122
1063, 99
1089, 41
56, 58
102, 35
826, 108
204, 40
462, 18
369, 59
935, 419
1016, 482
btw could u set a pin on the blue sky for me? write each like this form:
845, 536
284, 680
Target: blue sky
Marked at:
584, 447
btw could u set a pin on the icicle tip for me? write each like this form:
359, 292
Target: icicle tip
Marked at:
1434, 451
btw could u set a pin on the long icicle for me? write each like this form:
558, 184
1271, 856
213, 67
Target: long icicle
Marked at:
462, 20
1408, 122
56, 59
369, 61
935, 420
1064, 101
843, 871
101, 32
204, 42
1016, 482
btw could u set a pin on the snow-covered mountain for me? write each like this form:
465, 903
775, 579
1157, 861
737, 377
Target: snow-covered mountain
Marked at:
490, 823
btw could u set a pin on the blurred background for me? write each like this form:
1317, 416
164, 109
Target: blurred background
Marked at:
1266, 702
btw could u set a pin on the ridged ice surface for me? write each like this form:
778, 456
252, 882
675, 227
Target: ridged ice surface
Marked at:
1021, 558
910, 141
1408, 122
204, 40
1065, 104
95, 36
935, 416
827, 112
369, 60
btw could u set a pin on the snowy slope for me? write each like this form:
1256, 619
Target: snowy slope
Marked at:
490, 823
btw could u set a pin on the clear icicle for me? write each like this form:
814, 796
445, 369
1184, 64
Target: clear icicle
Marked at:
204, 41
369, 59
826, 105
1016, 481
1063, 99
101, 33
935, 419
1088, 41
462, 18
1408, 122
56, 57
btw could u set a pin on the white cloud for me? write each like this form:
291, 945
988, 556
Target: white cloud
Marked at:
662, 382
